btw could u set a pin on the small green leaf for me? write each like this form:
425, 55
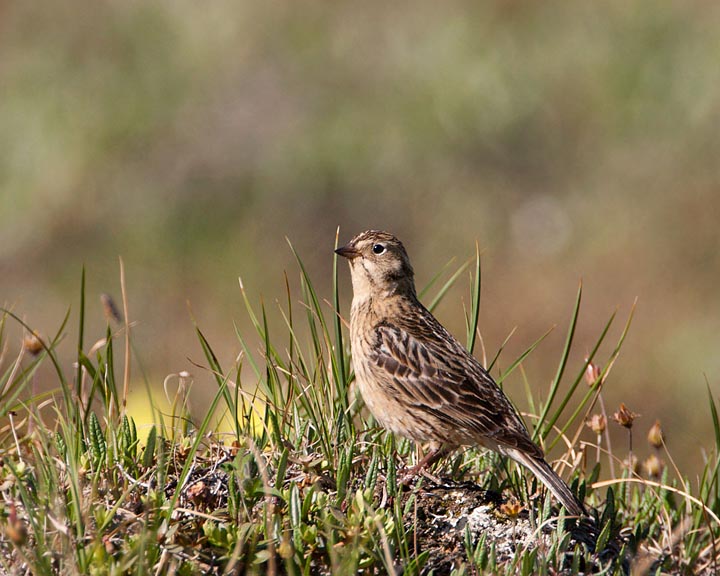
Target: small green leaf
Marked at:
282, 467
61, 445
98, 446
295, 506
372, 471
149, 454
604, 536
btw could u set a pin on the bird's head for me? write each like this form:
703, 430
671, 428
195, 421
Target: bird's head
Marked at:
379, 265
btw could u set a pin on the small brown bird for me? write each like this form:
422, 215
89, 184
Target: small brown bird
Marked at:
416, 378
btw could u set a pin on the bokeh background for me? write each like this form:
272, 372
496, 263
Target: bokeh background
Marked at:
570, 140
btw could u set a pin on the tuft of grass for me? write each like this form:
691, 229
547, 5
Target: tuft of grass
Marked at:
307, 483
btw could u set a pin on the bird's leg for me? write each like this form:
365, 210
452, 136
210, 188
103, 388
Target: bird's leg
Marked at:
428, 460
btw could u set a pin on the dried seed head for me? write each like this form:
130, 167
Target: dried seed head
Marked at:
110, 309
16, 533
655, 435
624, 416
32, 344
198, 492
15, 530
597, 423
653, 466
592, 373
511, 509
286, 548
631, 463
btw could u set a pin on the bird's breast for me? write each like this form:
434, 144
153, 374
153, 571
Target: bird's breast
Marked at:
383, 398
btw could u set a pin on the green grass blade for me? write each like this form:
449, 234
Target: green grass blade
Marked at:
580, 377
111, 394
425, 289
81, 334
445, 287
335, 402
339, 347
472, 326
216, 370
291, 333
710, 480
520, 359
561, 367
492, 363
247, 351
715, 419
594, 390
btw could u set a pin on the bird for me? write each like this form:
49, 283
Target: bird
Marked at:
418, 380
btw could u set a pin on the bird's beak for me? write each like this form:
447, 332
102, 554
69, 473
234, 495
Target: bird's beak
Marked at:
348, 252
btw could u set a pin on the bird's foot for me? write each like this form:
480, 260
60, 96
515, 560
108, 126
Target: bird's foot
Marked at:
412, 473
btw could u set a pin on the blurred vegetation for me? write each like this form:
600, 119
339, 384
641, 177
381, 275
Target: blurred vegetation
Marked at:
191, 138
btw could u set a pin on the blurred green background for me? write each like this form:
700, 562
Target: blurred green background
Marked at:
571, 140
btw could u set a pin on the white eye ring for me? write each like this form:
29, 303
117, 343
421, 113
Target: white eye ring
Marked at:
378, 248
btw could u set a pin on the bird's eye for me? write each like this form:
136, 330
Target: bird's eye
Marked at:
378, 248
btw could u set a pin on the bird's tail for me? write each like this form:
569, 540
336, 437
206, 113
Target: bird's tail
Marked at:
549, 477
